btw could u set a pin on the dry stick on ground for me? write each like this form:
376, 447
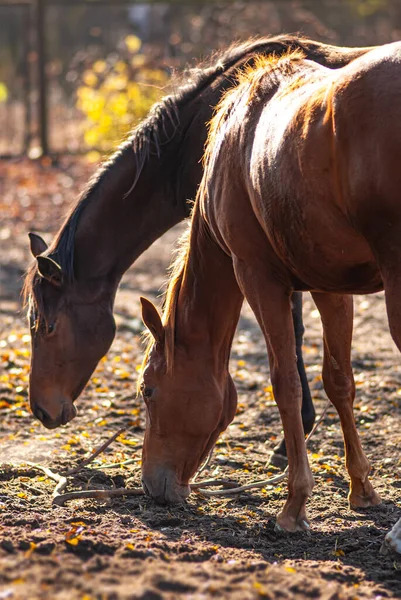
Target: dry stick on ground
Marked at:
230, 486
60, 499
205, 465
60, 479
96, 453
129, 461
263, 483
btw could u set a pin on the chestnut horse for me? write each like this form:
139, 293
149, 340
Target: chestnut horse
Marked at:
300, 192
136, 196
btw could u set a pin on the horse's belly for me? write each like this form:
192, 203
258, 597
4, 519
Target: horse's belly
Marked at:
363, 278
328, 259
294, 194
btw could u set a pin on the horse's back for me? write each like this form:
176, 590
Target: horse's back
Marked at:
292, 155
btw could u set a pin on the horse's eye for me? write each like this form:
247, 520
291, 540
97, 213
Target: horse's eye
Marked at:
51, 327
147, 392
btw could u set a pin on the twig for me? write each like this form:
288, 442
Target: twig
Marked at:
320, 419
99, 494
129, 461
61, 480
205, 464
116, 493
265, 482
96, 453
228, 483
32, 489
243, 488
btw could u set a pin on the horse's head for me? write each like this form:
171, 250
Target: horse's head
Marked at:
188, 405
70, 332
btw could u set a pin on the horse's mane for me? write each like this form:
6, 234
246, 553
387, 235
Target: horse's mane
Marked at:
248, 79
149, 137
261, 67
198, 228
176, 275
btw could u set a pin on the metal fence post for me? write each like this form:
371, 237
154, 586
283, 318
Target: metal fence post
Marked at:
42, 91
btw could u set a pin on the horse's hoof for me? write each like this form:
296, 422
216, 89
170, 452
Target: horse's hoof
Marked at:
287, 524
278, 460
364, 501
392, 541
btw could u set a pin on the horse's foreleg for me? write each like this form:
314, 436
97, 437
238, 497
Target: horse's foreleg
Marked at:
337, 317
279, 456
271, 304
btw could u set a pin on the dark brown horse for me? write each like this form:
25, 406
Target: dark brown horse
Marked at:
300, 192
138, 195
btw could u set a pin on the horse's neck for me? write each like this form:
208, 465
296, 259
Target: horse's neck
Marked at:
209, 300
115, 228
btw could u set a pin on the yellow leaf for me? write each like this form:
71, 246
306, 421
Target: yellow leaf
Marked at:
120, 66
93, 156
72, 541
122, 374
290, 569
90, 78
128, 442
133, 43
99, 66
31, 548
138, 60
3, 92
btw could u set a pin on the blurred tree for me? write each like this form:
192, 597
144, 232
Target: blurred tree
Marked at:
116, 93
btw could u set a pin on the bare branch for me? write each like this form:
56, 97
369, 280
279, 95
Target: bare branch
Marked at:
96, 453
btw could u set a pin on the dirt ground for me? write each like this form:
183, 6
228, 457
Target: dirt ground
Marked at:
209, 548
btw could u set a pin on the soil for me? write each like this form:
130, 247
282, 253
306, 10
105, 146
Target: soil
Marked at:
211, 547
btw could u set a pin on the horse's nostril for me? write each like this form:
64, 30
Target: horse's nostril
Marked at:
41, 414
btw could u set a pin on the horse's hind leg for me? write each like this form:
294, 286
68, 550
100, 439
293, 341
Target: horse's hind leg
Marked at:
337, 317
271, 304
392, 290
279, 456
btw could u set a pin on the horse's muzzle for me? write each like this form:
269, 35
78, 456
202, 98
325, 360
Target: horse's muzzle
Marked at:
68, 412
164, 489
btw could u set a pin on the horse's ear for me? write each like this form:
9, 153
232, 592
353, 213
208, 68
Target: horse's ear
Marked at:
50, 270
152, 320
38, 244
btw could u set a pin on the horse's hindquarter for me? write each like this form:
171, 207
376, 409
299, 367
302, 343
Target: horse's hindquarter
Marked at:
368, 132
296, 191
